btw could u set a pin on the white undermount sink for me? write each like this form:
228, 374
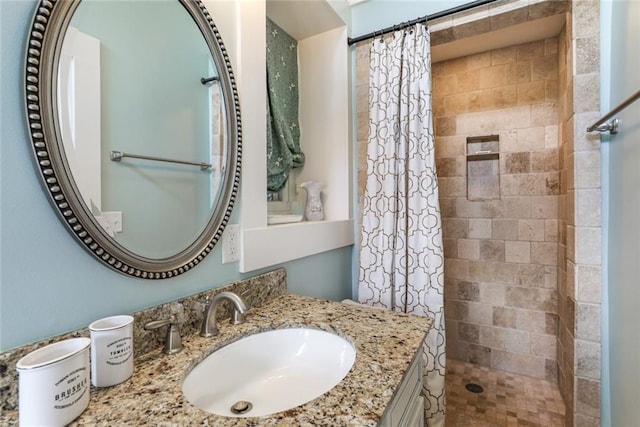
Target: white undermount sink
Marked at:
269, 372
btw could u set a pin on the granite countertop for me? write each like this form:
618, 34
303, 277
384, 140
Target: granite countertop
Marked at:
385, 343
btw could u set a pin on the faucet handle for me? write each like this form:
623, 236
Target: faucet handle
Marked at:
173, 340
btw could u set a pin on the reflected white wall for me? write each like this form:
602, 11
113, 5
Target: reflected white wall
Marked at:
79, 105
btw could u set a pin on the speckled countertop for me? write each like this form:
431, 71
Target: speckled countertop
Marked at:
385, 343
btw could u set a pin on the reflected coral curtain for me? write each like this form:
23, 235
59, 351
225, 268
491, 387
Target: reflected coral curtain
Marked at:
401, 256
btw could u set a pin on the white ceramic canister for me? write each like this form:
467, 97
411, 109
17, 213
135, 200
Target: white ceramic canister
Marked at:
53, 385
111, 350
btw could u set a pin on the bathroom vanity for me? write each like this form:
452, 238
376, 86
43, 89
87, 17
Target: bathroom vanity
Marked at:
386, 345
382, 388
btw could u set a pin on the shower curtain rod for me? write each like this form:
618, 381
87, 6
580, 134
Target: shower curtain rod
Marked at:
407, 24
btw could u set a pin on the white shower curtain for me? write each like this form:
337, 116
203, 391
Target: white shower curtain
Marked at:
401, 258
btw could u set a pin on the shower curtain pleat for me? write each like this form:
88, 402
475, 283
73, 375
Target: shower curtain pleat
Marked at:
401, 257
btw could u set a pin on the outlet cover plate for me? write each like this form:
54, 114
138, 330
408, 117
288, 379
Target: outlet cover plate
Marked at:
231, 243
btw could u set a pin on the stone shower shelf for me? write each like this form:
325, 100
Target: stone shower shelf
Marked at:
483, 155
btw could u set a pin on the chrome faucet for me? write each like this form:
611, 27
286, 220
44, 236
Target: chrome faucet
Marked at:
209, 326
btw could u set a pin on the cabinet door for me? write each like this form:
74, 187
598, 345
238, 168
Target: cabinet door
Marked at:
407, 407
415, 416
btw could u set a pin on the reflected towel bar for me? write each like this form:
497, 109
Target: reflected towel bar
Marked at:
116, 156
612, 127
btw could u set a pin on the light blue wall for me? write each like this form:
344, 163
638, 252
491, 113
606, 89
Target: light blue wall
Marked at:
374, 15
621, 352
48, 284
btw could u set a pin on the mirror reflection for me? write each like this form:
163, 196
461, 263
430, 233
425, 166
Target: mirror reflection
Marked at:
129, 81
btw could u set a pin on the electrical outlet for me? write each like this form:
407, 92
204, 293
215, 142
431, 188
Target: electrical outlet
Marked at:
114, 219
231, 243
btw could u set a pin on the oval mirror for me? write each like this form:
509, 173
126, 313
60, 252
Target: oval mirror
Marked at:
135, 126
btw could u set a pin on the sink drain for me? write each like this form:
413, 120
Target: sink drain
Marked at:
241, 407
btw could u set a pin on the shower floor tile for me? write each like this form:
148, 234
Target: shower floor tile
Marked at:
507, 400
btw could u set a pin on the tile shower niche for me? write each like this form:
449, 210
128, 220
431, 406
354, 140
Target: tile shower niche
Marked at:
483, 167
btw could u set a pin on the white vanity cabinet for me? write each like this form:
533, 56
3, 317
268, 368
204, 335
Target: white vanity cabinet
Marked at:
407, 407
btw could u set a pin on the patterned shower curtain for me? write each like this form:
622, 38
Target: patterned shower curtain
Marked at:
401, 257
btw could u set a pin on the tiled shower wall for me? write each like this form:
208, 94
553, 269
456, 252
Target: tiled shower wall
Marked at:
579, 273
501, 254
578, 212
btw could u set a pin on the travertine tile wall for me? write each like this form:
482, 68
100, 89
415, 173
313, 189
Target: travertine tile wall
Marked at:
501, 255
579, 273
576, 212
362, 111
566, 306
